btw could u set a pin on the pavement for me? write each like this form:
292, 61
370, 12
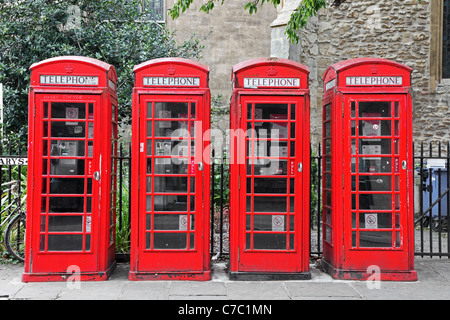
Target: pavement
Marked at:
433, 283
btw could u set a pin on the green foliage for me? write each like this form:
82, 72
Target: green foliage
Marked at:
300, 17
113, 31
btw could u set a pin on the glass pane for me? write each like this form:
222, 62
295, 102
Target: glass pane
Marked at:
171, 184
327, 111
375, 109
65, 223
172, 222
88, 204
65, 242
67, 186
148, 240
45, 129
268, 130
66, 167
45, 108
67, 110
90, 130
148, 222
375, 202
165, 110
67, 148
169, 241
375, 128
66, 204
328, 181
375, 165
148, 203
327, 131
174, 148
171, 166
272, 110
87, 242
250, 112
264, 241
381, 239
270, 204
267, 185
328, 163
375, 146
375, 183
170, 203
173, 129
275, 149
380, 220
149, 129
68, 129
267, 222
328, 233
269, 167
90, 148
193, 110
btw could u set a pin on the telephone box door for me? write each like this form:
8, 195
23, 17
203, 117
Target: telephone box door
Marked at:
376, 221
270, 226
67, 158
170, 232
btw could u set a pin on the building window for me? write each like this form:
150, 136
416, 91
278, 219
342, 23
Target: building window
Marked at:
155, 9
446, 40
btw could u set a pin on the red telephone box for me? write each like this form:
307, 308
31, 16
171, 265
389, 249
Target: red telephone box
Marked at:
367, 170
170, 178
72, 144
269, 170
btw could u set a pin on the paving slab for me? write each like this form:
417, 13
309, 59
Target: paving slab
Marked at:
433, 283
322, 290
257, 290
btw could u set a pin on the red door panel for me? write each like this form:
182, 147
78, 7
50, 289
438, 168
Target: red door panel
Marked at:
375, 217
170, 184
67, 201
270, 195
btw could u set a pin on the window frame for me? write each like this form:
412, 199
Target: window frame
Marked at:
436, 45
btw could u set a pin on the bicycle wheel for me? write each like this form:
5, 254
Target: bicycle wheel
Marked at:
15, 237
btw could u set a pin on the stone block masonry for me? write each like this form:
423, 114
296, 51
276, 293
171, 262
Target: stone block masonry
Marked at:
398, 30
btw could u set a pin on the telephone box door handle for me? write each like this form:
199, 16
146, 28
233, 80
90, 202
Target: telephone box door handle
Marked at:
300, 167
200, 166
404, 164
97, 175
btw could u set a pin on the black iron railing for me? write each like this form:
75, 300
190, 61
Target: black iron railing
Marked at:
431, 180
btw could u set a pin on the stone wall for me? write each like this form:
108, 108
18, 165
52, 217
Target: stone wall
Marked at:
392, 29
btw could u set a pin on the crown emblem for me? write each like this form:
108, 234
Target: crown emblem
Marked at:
373, 70
271, 72
69, 68
171, 70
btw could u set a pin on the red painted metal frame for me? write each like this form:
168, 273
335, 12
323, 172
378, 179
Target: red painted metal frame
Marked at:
342, 258
99, 262
269, 264
172, 264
